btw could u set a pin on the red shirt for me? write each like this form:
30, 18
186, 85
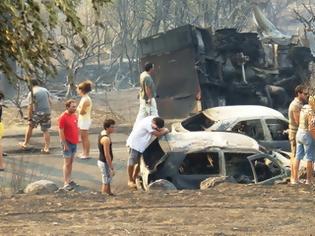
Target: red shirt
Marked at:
69, 123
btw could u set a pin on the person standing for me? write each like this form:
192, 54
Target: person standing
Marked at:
138, 141
147, 93
105, 161
304, 141
311, 127
1, 132
39, 110
69, 138
84, 111
301, 95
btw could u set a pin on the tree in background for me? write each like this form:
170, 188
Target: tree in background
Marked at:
25, 27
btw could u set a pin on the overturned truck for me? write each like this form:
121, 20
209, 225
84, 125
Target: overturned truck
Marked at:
224, 67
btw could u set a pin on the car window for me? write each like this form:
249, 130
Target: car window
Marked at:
265, 168
277, 129
238, 166
198, 122
200, 164
251, 128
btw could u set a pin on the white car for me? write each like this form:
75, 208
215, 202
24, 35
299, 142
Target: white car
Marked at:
184, 160
266, 125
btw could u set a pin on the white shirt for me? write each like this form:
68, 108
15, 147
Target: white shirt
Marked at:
141, 134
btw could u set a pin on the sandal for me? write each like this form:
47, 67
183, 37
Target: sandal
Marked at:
43, 151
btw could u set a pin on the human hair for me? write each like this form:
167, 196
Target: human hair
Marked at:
107, 123
85, 86
68, 102
34, 82
299, 89
148, 66
1, 95
159, 122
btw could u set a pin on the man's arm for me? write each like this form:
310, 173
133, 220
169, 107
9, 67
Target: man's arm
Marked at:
160, 132
148, 92
63, 139
30, 106
62, 134
296, 116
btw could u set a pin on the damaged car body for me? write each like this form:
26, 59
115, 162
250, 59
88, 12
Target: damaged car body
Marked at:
224, 67
187, 159
266, 125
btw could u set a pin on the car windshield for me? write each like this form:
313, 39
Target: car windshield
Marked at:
198, 122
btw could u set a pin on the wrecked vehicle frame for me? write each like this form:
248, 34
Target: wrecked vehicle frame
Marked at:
186, 159
266, 125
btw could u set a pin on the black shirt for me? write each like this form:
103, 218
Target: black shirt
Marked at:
102, 157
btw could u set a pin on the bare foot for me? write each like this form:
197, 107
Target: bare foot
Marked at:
132, 184
23, 145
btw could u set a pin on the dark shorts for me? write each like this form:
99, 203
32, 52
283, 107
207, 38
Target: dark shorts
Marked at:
134, 157
42, 119
72, 149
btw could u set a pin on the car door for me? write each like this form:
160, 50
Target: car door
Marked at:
196, 167
266, 169
277, 131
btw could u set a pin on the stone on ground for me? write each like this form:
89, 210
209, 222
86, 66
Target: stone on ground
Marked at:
161, 184
41, 187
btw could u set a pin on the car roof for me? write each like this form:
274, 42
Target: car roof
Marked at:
241, 111
200, 140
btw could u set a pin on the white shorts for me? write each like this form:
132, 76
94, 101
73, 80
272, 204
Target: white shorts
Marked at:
84, 124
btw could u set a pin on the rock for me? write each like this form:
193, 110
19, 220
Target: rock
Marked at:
161, 184
41, 187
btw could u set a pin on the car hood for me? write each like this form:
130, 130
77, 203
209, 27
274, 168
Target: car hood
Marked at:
197, 141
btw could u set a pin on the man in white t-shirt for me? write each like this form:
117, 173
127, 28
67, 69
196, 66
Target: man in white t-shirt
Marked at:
138, 141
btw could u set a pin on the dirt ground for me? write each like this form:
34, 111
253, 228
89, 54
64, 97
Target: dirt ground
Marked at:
227, 209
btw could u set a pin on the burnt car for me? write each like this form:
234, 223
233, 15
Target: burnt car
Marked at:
264, 124
186, 159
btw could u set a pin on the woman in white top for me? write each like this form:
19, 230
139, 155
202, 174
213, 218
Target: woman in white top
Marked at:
84, 112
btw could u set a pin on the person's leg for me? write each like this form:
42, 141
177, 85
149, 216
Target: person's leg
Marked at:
136, 171
292, 158
131, 180
132, 161
154, 110
300, 153
296, 171
68, 160
309, 172
310, 156
46, 136
85, 143
45, 125
107, 189
67, 169
28, 135
143, 111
